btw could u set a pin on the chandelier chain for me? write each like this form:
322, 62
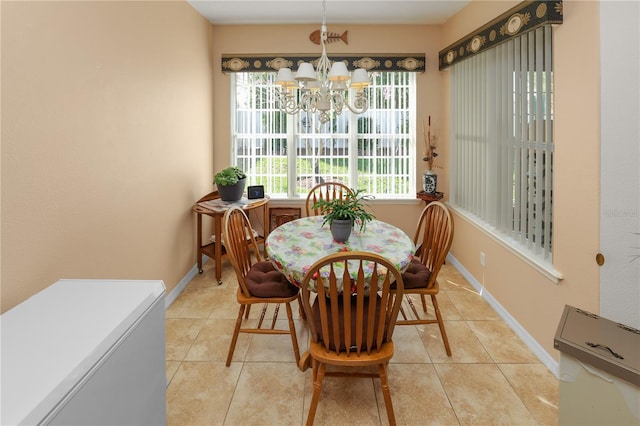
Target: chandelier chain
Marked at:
323, 91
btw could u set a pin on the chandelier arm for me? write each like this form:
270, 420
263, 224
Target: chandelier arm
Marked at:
308, 102
360, 104
287, 102
337, 100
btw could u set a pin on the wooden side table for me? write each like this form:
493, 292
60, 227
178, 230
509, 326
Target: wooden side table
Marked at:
217, 209
428, 198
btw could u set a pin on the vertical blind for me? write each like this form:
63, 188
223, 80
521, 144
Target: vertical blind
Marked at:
502, 140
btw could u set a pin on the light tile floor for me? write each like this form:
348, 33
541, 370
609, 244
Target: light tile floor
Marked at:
491, 378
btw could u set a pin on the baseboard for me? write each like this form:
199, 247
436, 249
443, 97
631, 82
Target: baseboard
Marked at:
171, 297
531, 343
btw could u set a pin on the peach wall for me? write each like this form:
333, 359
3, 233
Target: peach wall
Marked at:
362, 39
106, 141
533, 300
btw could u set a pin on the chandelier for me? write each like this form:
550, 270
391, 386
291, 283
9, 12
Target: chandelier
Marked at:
323, 91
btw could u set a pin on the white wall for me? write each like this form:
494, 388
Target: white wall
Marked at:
620, 161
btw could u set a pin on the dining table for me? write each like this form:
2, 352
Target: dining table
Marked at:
296, 245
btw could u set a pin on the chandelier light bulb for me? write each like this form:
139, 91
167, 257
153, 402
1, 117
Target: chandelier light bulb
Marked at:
339, 72
339, 85
313, 85
285, 78
360, 78
306, 72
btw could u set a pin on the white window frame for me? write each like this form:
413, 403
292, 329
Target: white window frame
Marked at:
390, 132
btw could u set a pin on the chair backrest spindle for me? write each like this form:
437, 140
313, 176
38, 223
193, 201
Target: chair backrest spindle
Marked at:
433, 237
325, 191
240, 244
354, 311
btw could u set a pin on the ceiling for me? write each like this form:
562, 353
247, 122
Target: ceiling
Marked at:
247, 12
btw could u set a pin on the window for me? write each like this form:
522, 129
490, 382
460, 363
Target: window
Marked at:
502, 141
374, 151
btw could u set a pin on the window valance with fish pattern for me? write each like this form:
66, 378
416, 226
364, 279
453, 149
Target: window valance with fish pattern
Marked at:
522, 18
256, 63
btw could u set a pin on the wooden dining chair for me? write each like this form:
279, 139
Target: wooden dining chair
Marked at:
351, 327
325, 191
258, 281
432, 238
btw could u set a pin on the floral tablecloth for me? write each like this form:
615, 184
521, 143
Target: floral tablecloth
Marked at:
294, 246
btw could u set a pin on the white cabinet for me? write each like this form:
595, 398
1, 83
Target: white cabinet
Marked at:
599, 370
85, 352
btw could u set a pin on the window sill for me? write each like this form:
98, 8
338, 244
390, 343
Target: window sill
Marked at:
543, 266
302, 200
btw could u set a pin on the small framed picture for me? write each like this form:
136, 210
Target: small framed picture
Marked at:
255, 192
280, 215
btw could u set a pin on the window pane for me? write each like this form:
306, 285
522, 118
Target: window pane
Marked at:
371, 151
502, 140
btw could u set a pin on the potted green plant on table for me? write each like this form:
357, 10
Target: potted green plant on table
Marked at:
230, 182
343, 214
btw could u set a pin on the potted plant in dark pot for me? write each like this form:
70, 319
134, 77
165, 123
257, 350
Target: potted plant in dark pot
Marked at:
230, 182
343, 215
